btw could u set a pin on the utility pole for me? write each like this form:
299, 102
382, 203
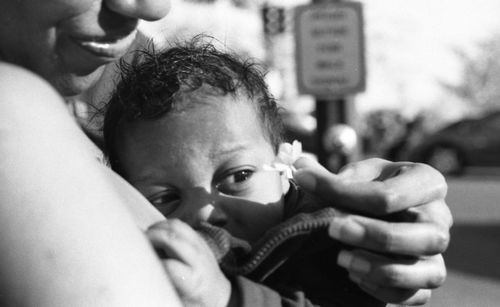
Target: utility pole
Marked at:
329, 112
330, 57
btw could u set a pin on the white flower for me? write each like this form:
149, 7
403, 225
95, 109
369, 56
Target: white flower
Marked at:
287, 155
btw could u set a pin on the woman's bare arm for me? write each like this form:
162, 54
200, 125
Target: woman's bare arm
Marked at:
66, 238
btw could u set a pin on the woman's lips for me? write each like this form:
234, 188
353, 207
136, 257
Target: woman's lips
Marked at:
108, 47
82, 55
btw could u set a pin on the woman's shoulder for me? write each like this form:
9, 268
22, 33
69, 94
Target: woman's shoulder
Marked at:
15, 77
22, 90
28, 102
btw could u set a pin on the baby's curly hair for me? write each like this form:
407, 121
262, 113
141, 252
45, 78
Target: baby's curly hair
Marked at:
155, 81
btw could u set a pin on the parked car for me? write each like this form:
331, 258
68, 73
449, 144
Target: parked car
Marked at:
468, 142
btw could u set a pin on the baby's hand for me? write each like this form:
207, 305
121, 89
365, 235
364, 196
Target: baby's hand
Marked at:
190, 264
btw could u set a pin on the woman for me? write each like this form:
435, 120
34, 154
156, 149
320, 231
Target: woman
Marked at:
68, 239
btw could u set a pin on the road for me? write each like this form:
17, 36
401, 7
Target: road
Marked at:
473, 257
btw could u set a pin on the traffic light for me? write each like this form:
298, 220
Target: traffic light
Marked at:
274, 19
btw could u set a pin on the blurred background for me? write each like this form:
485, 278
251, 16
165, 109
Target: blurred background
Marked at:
429, 64
431, 94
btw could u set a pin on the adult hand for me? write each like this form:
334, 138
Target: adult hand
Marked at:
190, 264
398, 223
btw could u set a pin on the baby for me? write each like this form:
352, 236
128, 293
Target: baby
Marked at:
197, 132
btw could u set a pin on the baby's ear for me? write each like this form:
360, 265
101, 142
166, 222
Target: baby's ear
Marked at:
285, 183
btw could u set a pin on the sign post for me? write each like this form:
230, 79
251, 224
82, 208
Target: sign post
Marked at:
330, 61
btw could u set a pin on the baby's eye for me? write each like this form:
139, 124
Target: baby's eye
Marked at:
166, 201
235, 182
241, 176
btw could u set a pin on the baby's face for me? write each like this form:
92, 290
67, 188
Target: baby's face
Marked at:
204, 163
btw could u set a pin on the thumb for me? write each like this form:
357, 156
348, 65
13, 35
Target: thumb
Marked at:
312, 176
304, 163
335, 189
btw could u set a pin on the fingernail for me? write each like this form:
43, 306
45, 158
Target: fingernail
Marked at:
336, 225
302, 162
344, 259
352, 263
346, 230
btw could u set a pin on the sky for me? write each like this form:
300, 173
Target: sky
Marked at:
409, 44
410, 49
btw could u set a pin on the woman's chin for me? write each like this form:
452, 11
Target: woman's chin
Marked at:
70, 84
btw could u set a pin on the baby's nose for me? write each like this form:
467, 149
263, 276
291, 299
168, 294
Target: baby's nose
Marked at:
217, 217
213, 215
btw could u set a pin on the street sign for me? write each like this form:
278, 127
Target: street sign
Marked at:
330, 49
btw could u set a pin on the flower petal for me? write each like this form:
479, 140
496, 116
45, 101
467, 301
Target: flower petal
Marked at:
287, 155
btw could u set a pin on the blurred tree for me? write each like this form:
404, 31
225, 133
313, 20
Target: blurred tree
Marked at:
479, 84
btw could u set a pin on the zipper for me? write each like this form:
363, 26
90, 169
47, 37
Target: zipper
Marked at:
300, 224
